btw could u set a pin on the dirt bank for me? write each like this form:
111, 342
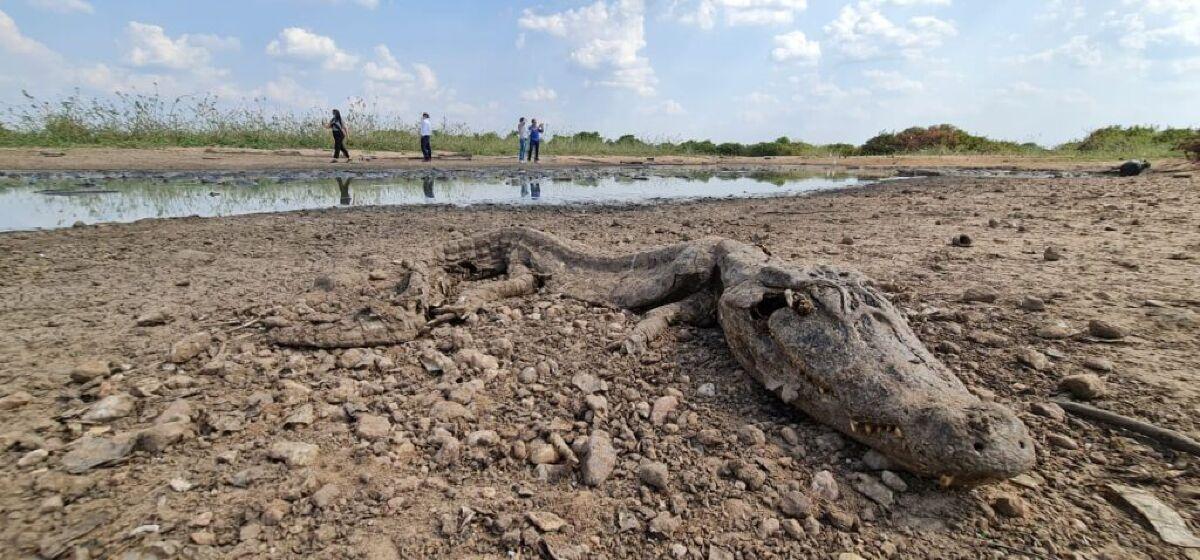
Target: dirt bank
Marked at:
245, 449
188, 159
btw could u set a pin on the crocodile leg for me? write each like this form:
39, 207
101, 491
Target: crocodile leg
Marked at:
697, 308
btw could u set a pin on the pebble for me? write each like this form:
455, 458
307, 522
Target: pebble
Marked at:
1108, 331
545, 521
876, 461
15, 400
1064, 442
980, 294
179, 484
795, 504
707, 390
870, 487
1052, 254
600, 458
824, 486
294, 453
1054, 331
153, 318
33, 458
1048, 410
1032, 303
110, 408
1086, 386
664, 524
663, 407
189, 347
587, 383
373, 427
793, 528
893, 481
90, 452
654, 474
89, 370
749, 434
1034, 359
767, 527
1097, 364
1009, 505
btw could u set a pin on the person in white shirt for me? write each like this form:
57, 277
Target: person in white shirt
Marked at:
523, 137
426, 132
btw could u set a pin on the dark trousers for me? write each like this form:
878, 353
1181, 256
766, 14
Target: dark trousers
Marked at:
426, 148
339, 145
534, 148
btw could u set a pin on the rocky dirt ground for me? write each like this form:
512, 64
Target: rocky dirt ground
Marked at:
145, 415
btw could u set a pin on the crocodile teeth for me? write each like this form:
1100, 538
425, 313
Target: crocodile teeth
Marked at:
854, 426
946, 480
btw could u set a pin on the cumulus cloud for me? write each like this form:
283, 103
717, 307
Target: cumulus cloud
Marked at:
391, 82
64, 6
539, 93
288, 92
606, 37
150, 46
1078, 50
861, 31
705, 13
895, 82
1159, 22
302, 45
14, 42
795, 47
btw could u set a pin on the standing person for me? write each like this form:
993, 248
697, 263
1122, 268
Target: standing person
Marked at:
523, 138
340, 132
426, 132
535, 140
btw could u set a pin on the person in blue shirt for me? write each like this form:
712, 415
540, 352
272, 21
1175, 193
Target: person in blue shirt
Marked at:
535, 140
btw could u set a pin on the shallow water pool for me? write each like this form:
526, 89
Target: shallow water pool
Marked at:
54, 203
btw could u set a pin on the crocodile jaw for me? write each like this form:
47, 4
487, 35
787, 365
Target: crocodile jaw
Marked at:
840, 352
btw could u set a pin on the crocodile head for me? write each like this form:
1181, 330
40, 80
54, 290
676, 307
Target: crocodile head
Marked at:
830, 344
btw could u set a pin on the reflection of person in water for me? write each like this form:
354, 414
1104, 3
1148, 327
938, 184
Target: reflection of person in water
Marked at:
344, 187
427, 186
535, 189
524, 187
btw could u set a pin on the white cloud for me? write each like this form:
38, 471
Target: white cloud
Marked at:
861, 31
892, 81
606, 37
1078, 50
425, 77
150, 46
704, 13
795, 47
669, 107
397, 86
539, 93
1172, 21
288, 92
14, 42
303, 45
64, 6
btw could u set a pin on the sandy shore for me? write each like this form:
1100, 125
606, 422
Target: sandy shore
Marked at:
422, 483
188, 159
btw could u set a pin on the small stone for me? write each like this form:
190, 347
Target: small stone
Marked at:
824, 486
748, 473
1061, 441
449, 410
893, 481
587, 383
326, 496
664, 524
980, 294
795, 504
33, 458
1084, 386
179, 484
767, 527
542, 453
710, 437
849, 556
1097, 364
717, 553
1032, 303
527, 375
1106, 330
870, 487
962, 240
1052, 254
89, 370
793, 528
545, 521
1009, 505
876, 461
158, 437
15, 400
110, 408
202, 519
1054, 331
600, 458
372, 427
302, 415
706, 390
275, 512
51, 504
663, 406
654, 475
203, 538
749, 434
789, 435
1034, 359
1048, 410
153, 318
293, 453
189, 347
90, 452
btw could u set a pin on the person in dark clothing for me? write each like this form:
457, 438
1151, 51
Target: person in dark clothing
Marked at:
340, 131
535, 140
427, 187
344, 188
426, 133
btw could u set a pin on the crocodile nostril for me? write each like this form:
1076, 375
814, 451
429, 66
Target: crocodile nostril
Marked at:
979, 446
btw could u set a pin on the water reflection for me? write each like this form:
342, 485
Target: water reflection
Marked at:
344, 189
62, 203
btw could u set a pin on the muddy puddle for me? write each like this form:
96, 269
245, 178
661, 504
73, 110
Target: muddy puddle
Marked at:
46, 203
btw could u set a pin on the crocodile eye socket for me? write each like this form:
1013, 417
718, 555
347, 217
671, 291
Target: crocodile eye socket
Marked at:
769, 304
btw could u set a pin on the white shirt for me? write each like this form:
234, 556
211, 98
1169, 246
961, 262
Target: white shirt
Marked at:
426, 128
522, 131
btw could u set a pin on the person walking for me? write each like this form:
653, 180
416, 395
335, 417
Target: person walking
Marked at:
523, 138
426, 132
340, 132
535, 140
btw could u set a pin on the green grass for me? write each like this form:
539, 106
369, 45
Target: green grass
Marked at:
151, 121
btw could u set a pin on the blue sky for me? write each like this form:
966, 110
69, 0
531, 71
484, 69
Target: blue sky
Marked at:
729, 70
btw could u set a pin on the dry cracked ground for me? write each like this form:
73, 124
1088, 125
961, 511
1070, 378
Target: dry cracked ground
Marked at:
146, 415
